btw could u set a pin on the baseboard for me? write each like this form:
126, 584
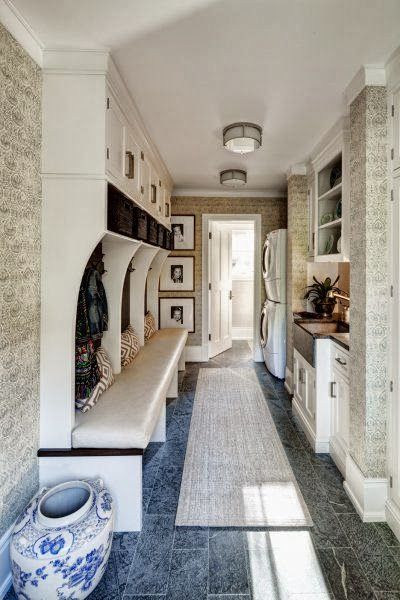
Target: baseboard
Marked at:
393, 517
5, 567
242, 333
319, 446
289, 380
194, 354
368, 494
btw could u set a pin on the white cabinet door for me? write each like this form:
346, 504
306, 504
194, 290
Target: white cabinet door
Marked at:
155, 192
396, 130
145, 180
339, 441
115, 140
132, 166
311, 224
310, 394
167, 207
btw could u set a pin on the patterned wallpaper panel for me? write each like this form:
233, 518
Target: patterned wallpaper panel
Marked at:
369, 283
297, 252
272, 210
20, 200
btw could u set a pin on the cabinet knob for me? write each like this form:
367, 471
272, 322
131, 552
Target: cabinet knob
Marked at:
333, 389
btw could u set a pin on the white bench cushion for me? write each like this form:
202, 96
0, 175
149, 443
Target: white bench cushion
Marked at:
128, 411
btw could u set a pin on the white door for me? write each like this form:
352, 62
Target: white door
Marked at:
115, 132
220, 289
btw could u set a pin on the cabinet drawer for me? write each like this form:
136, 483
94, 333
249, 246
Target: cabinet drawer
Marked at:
340, 360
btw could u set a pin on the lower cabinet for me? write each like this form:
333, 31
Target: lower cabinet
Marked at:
339, 393
304, 390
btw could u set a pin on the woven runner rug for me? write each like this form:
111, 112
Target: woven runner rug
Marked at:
236, 473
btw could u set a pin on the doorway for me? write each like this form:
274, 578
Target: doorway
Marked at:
231, 283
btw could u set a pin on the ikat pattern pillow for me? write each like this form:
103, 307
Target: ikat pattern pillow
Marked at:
149, 326
106, 380
130, 346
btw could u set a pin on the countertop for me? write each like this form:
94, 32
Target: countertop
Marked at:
314, 327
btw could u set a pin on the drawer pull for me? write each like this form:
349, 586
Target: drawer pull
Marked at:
341, 361
333, 389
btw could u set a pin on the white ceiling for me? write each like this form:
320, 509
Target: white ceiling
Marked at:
193, 66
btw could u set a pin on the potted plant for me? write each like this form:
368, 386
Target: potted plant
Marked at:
318, 294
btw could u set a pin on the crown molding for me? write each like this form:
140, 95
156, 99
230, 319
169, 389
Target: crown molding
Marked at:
297, 169
218, 193
20, 29
393, 70
367, 75
76, 61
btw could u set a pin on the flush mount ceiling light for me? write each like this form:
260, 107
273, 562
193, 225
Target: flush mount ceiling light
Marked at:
233, 177
242, 137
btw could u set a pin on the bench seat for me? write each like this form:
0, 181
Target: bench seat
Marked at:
128, 411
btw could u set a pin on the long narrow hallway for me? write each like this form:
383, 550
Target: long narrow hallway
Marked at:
357, 560
339, 557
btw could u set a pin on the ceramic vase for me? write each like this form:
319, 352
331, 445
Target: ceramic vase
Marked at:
61, 543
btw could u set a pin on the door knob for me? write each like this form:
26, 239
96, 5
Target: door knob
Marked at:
230, 295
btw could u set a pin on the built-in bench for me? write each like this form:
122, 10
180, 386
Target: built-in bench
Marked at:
108, 441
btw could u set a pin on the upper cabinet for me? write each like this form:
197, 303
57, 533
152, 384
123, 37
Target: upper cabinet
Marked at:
396, 130
330, 216
129, 166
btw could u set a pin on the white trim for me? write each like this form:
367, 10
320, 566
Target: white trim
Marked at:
75, 60
393, 517
20, 29
242, 333
194, 354
367, 75
368, 495
297, 169
218, 193
256, 220
5, 568
393, 70
320, 446
288, 380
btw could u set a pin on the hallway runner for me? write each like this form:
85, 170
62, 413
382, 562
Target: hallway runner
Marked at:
236, 473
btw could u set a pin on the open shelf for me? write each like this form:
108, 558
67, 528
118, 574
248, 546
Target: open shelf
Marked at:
335, 223
332, 193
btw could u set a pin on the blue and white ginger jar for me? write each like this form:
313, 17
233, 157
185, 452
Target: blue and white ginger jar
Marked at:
61, 543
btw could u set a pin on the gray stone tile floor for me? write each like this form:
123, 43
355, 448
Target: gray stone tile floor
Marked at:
339, 558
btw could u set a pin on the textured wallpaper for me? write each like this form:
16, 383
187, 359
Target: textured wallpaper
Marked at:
272, 210
20, 199
369, 283
297, 251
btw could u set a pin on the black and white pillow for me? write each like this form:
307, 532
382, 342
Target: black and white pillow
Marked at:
149, 326
106, 380
130, 346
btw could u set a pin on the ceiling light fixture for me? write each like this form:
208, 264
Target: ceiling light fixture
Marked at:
233, 177
242, 137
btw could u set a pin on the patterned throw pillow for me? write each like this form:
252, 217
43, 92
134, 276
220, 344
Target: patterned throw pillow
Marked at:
149, 326
130, 346
106, 380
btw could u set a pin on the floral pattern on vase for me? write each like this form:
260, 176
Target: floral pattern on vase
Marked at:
63, 562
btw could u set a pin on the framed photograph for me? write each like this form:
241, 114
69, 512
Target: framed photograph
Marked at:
177, 274
183, 231
176, 312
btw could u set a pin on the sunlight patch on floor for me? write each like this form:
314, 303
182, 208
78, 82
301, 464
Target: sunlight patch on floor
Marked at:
284, 566
275, 503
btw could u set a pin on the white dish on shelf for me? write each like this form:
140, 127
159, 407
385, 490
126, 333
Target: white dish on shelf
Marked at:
339, 245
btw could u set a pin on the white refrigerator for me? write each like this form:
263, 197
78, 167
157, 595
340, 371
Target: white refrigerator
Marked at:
273, 314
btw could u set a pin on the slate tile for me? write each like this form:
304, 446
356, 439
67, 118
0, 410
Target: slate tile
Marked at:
125, 541
228, 597
227, 562
145, 597
174, 452
179, 428
188, 575
146, 495
191, 537
387, 534
327, 531
150, 569
11, 595
165, 494
184, 405
151, 461
343, 571
387, 595
108, 588
332, 483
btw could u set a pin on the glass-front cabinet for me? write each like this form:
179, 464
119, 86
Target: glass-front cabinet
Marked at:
330, 218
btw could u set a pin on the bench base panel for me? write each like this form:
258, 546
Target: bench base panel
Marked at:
122, 475
173, 386
160, 431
